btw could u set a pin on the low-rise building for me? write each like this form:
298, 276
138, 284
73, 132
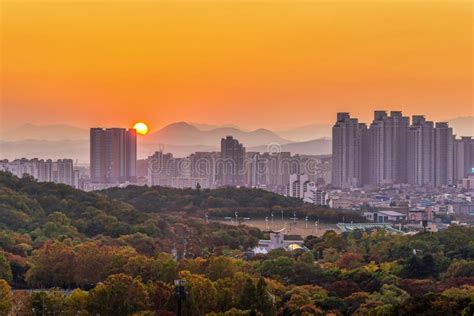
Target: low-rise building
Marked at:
277, 240
385, 216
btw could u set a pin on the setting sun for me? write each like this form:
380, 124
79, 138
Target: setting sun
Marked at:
141, 128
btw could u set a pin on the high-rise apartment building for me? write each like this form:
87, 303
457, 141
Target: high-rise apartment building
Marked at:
463, 158
392, 151
387, 148
113, 153
348, 139
203, 168
231, 163
60, 171
251, 169
264, 167
298, 185
420, 152
63, 171
281, 165
444, 155
159, 169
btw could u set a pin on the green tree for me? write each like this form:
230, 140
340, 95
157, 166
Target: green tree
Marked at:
220, 267
38, 302
6, 297
160, 295
76, 302
5, 269
202, 293
390, 294
119, 295
55, 302
248, 297
460, 268
264, 299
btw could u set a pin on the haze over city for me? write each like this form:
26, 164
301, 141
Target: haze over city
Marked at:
236, 158
251, 64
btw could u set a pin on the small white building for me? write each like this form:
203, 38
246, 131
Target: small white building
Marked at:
316, 196
467, 183
276, 241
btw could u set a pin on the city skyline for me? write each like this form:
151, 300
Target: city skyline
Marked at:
236, 157
395, 149
183, 139
200, 62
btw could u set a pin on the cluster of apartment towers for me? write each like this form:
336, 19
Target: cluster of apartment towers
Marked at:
393, 151
113, 157
59, 171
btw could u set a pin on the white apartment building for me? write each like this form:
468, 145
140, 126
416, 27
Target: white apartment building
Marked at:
60, 171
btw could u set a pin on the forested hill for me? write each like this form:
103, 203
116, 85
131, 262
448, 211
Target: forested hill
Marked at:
26, 204
37, 212
56, 211
156, 199
55, 236
222, 202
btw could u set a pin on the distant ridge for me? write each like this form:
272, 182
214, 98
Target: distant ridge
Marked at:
462, 126
181, 139
46, 132
307, 132
183, 133
321, 146
208, 127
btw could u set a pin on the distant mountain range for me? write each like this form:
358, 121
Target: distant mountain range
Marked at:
208, 127
463, 126
64, 141
307, 132
53, 149
186, 134
321, 146
46, 132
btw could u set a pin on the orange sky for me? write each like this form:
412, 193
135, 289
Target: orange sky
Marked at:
255, 64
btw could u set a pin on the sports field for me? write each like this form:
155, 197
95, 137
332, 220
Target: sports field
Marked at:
298, 227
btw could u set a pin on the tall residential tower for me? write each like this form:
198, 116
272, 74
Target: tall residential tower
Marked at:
348, 139
387, 148
230, 166
113, 153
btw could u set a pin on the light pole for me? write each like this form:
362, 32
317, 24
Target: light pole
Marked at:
180, 294
294, 218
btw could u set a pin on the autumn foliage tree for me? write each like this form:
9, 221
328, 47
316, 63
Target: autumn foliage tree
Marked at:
119, 295
6, 297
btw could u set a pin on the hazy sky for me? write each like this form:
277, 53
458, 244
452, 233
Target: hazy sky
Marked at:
273, 64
